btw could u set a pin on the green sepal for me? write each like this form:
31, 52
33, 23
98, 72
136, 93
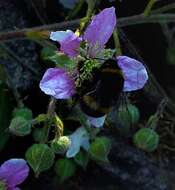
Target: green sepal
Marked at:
60, 59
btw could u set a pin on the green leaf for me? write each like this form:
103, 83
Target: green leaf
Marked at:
6, 107
146, 139
24, 112
99, 149
39, 134
65, 168
40, 157
82, 159
61, 60
19, 126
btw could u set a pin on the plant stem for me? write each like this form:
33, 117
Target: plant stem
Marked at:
117, 42
50, 113
76, 10
148, 8
73, 24
165, 8
91, 5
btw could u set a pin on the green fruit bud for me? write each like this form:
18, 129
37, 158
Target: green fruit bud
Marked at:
146, 139
128, 115
19, 126
61, 145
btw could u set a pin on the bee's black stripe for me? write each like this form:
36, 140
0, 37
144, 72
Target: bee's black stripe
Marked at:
106, 92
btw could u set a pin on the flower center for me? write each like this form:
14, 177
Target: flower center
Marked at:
86, 71
3, 185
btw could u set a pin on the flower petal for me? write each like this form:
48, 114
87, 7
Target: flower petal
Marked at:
68, 40
57, 83
135, 73
14, 172
101, 27
78, 139
14, 188
96, 121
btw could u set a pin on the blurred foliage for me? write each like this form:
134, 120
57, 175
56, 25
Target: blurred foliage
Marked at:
65, 168
6, 107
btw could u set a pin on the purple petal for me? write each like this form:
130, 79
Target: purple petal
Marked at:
78, 138
14, 188
57, 83
135, 73
101, 27
14, 172
68, 40
96, 121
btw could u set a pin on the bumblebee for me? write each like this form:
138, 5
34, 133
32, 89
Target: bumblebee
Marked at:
103, 90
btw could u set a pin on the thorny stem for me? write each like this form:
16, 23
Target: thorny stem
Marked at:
73, 24
148, 8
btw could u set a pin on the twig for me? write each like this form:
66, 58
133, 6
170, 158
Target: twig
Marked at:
148, 8
164, 8
22, 33
37, 12
126, 21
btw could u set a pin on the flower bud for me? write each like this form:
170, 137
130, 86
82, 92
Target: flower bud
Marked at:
19, 126
61, 145
146, 139
128, 114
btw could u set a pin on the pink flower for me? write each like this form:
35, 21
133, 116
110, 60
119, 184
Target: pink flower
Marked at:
134, 72
12, 173
68, 40
57, 83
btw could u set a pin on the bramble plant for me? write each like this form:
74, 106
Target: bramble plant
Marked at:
81, 57
66, 82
